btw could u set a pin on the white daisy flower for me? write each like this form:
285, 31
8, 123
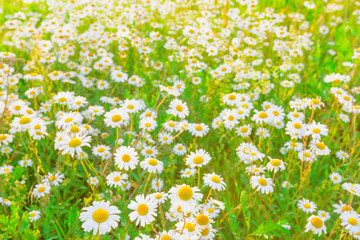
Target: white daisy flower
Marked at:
100, 217
144, 210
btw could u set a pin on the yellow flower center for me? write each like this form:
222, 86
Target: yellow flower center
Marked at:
276, 162
262, 182
352, 221
126, 158
202, 219
116, 118
62, 99
153, 162
32, 214
3, 137
297, 125
316, 130
215, 179
244, 129
41, 189
142, 209
24, 120
198, 128
190, 227
320, 146
147, 125
68, 120
205, 232
75, 142
315, 101
306, 205
346, 208
185, 193
100, 215
74, 129
232, 97
198, 160
116, 179
179, 108
263, 115
52, 178
317, 222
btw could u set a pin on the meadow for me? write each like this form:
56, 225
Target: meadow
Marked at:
179, 119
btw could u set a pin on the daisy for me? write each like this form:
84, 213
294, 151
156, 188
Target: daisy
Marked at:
296, 129
352, 188
148, 124
149, 151
244, 130
198, 158
185, 197
159, 197
316, 130
262, 116
324, 215
102, 151
335, 177
306, 205
319, 147
165, 138
170, 126
5, 201
34, 215
178, 108
73, 145
198, 130
262, 184
116, 179
21, 124
100, 217
152, 165
25, 163
275, 165
54, 179
157, 184
144, 210
168, 235
41, 189
187, 172
132, 105
315, 224
179, 149
214, 181
286, 184
341, 208
116, 118
255, 170
341, 155
6, 169
94, 181
126, 158
351, 221
6, 139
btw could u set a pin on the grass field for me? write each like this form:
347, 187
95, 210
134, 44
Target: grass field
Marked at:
179, 119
